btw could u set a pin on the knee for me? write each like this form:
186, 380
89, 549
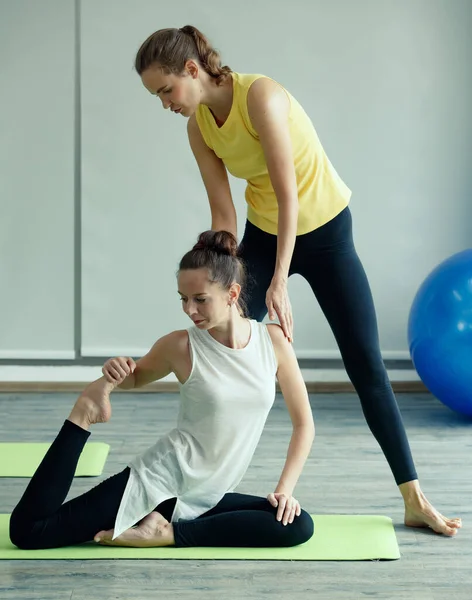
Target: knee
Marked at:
17, 536
365, 367
301, 530
21, 535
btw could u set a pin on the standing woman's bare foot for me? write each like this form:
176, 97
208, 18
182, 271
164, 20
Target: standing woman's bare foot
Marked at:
427, 516
93, 404
419, 512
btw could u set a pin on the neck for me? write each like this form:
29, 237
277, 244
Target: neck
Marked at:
235, 332
218, 98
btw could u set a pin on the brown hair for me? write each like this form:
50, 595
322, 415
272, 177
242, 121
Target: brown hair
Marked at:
217, 251
172, 48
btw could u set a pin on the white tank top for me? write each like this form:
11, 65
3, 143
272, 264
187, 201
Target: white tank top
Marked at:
224, 406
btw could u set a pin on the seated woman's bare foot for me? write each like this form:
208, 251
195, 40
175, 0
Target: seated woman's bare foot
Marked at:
420, 513
93, 404
152, 531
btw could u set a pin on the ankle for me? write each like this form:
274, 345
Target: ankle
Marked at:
411, 492
79, 420
79, 415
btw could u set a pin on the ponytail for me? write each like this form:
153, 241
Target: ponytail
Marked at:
207, 55
172, 48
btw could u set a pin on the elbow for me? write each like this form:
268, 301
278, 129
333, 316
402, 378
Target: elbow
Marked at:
306, 429
312, 432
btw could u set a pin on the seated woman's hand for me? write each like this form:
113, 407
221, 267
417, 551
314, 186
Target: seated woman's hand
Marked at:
116, 370
287, 507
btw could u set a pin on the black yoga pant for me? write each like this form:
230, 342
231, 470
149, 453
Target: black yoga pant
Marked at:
327, 259
42, 519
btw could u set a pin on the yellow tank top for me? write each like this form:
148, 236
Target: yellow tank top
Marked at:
321, 192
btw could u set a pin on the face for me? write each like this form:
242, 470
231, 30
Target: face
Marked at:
207, 304
181, 93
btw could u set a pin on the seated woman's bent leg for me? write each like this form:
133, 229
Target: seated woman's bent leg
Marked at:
42, 519
241, 520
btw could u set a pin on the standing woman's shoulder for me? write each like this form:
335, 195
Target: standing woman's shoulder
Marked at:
264, 95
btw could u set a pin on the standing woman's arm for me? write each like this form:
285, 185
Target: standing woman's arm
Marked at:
269, 107
215, 179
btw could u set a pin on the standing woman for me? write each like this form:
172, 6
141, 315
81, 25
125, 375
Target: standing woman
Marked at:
298, 220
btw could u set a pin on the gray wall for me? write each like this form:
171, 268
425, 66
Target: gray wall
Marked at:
37, 154
388, 85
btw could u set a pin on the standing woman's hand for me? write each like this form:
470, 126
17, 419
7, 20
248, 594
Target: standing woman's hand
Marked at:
278, 305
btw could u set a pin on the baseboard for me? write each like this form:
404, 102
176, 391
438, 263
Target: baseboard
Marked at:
313, 387
51, 379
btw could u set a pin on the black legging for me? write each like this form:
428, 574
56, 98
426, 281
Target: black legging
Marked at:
328, 260
42, 519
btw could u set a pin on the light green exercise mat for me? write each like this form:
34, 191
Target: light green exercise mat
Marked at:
21, 459
336, 537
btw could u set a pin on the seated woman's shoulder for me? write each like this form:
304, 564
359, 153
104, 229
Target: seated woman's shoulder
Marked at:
276, 333
176, 341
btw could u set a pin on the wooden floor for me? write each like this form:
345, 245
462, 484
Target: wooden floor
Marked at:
346, 473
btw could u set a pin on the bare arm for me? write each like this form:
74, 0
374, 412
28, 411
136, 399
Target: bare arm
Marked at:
156, 364
296, 398
269, 107
215, 179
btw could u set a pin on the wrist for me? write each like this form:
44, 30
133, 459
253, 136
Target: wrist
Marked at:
129, 383
280, 276
284, 489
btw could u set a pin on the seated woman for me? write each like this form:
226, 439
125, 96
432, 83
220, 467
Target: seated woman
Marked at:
180, 491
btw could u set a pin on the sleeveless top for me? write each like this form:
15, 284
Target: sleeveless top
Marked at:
321, 192
224, 405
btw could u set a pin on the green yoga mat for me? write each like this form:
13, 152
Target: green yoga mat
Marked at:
336, 537
21, 459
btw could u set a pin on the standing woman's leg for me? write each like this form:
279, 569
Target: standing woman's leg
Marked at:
258, 251
328, 260
41, 519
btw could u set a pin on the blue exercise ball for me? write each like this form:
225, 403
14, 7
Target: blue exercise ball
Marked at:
440, 332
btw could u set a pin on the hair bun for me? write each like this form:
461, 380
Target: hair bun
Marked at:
188, 30
221, 242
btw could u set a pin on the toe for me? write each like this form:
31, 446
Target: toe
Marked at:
444, 528
104, 537
457, 522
